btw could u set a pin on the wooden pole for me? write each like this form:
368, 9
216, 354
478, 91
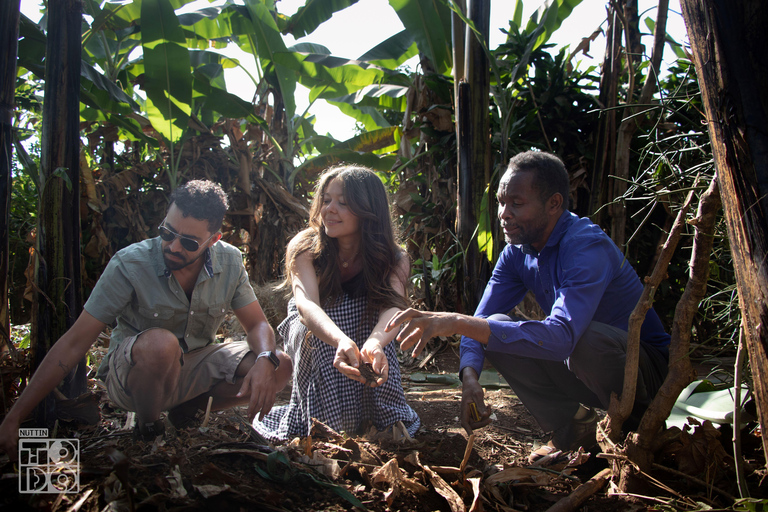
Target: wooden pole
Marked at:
9, 39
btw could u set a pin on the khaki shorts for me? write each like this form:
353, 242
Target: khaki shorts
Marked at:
201, 370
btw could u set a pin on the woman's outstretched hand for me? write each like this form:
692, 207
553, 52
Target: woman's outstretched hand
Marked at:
347, 360
373, 354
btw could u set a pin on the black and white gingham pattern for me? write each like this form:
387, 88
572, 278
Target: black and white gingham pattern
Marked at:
321, 391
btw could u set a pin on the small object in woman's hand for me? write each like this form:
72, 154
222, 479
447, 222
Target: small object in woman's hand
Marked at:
368, 373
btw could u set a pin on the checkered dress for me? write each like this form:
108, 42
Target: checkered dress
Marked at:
321, 391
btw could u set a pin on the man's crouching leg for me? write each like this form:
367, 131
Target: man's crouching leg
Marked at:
225, 383
154, 376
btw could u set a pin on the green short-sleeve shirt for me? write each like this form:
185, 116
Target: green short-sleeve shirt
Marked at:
138, 291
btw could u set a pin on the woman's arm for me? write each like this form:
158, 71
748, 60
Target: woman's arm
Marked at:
306, 292
373, 349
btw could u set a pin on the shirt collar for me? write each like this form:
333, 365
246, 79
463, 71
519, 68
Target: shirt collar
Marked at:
566, 219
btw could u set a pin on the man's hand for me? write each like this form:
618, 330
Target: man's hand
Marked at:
419, 327
373, 353
347, 360
9, 437
472, 394
261, 384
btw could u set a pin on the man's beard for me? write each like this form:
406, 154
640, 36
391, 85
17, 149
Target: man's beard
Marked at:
527, 234
181, 262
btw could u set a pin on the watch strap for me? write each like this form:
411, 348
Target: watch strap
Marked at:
271, 356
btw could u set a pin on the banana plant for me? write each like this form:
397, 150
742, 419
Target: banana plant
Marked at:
429, 22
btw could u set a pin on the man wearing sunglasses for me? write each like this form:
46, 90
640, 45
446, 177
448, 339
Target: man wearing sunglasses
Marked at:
169, 295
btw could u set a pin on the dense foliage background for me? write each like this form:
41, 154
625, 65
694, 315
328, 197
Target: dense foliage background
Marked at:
154, 118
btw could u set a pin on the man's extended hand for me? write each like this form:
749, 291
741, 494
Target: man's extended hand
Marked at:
419, 327
472, 393
260, 383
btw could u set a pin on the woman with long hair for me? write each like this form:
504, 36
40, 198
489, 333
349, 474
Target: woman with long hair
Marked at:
348, 278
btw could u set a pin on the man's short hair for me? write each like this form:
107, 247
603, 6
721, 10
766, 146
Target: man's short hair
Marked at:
548, 171
203, 200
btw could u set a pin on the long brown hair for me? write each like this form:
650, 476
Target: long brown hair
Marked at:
367, 199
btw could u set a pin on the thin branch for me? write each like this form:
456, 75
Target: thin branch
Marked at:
659, 39
582, 492
693, 479
620, 409
738, 459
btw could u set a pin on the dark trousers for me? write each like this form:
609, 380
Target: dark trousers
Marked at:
553, 390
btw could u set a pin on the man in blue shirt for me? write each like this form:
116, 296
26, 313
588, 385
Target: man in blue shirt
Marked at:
575, 356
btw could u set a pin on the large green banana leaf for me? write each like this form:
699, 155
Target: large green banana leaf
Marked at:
430, 23
131, 12
392, 52
168, 72
95, 90
547, 18
312, 14
31, 51
352, 86
265, 42
366, 104
329, 77
370, 117
373, 149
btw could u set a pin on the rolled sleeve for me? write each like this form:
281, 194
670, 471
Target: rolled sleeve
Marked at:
112, 293
244, 293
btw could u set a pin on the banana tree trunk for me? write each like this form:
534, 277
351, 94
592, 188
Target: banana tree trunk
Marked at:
733, 77
57, 271
474, 153
9, 38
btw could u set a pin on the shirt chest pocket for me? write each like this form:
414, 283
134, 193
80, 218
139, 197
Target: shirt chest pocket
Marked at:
206, 322
217, 312
155, 317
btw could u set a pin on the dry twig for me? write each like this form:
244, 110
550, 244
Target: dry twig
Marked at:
582, 492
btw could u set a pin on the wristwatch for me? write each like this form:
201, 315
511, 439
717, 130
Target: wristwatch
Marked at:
271, 356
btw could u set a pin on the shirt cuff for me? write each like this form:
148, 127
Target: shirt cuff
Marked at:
501, 335
472, 356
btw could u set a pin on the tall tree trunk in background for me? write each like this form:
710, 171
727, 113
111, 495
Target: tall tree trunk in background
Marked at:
728, 42
473, 142
58, 300
9, 39
634, 55
605, 147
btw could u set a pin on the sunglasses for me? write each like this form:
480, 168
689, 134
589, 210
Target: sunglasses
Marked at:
189, 244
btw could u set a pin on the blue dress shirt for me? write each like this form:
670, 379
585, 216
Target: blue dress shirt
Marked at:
579, 276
